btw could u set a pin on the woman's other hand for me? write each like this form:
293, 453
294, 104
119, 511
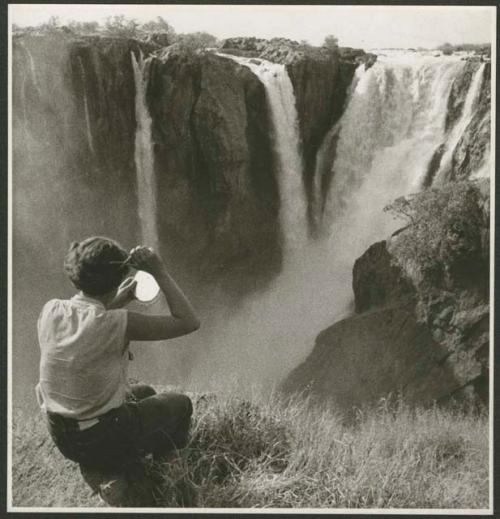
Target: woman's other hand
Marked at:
145, 258
124, 294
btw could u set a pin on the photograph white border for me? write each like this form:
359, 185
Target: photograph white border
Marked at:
363, 511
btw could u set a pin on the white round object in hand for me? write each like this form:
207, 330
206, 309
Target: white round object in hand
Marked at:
147, 288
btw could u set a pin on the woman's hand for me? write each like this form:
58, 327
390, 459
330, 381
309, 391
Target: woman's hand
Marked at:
182, 318
124, 294
145, 258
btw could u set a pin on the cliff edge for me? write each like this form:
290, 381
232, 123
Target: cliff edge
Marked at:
421, 327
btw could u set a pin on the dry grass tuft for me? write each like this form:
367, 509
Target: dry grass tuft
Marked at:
271, 453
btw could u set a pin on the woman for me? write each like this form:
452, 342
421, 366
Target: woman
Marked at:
94, 416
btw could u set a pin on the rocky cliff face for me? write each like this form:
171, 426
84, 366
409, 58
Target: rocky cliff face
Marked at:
427, 340
218, 200
472, 148
377, 281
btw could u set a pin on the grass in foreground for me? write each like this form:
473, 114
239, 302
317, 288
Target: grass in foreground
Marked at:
274, 454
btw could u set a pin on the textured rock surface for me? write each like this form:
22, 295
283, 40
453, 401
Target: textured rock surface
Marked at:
370, 355
376, 281
431, 342
218, 199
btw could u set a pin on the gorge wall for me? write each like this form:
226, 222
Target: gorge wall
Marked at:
218, 200
87, 123
218, 203
74, 171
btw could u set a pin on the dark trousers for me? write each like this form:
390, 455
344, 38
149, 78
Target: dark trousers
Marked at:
146, 423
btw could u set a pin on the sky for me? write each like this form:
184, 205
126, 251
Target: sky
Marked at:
355, 26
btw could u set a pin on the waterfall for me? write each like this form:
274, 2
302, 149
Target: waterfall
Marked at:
144, 161
390, 129
262, 338
461, 125
90, 139
281, 101
386, 139
326, 155
34, 76
34, 82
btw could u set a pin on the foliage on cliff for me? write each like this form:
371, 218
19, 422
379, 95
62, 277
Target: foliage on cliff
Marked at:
446, 226
267, 453
157, 31
422, 310
477, 48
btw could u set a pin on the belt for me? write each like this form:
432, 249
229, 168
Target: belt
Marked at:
87, 424
81, 425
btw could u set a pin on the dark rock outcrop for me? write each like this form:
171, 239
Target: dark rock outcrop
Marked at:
428, 341
377, 281
218, 200
370, 355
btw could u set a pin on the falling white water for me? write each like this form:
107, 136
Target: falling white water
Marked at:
390, 129
34, 76
255, 344
326, 152
281, 101
26, 125
388, 133
461, 125
34, 81
90, 139
144, 162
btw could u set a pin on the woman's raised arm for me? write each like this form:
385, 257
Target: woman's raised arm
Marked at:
183, 320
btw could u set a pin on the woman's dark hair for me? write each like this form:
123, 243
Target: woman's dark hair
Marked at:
90, 265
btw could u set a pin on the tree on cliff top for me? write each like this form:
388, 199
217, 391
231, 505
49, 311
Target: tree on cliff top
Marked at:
197, 40
158, 25
121, 26
331, 42
446, 49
